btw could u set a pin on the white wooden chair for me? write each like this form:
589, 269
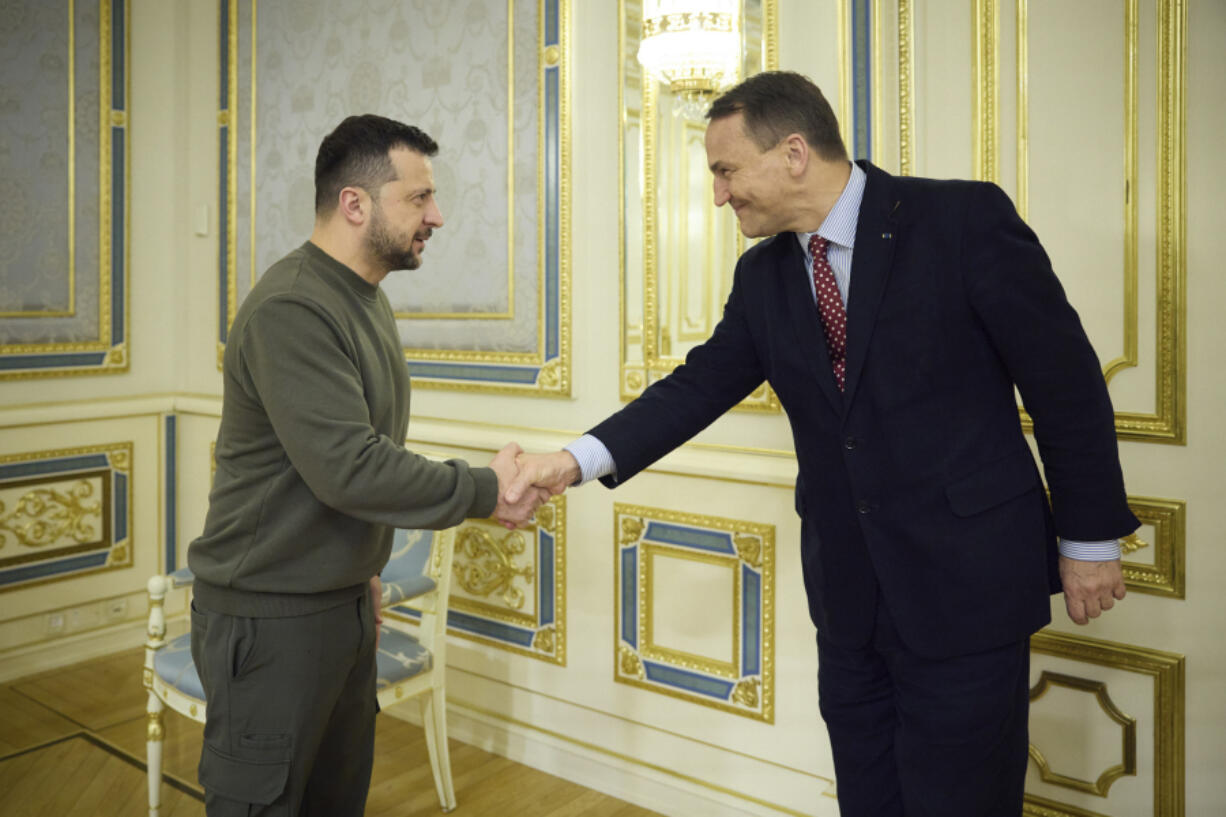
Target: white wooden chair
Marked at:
409, 664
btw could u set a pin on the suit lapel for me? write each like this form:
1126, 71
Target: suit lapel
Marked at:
811, 343
876, 236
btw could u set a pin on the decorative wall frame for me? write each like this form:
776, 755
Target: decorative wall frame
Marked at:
1101, 785
64, 514
57, 317
741, 682
664, 307
513, 334
1167, 672
509, 588
1167, 423
1165, 575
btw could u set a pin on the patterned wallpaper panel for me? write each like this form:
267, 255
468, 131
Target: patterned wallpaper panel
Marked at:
63, 122
485, 80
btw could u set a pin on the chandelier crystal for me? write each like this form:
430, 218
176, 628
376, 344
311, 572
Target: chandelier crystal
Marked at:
692, 46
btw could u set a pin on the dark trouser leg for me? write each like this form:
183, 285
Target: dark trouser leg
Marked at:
856, 698
276, 688
918, 737
340, 780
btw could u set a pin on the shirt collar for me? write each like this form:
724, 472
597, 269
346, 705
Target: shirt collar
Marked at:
840, 224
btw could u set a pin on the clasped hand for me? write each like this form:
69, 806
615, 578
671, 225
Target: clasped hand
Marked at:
527, 481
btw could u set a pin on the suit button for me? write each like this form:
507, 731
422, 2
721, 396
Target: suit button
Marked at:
864, 506
850, 443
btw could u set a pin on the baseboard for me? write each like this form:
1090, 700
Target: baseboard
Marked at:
672, 795
60, 652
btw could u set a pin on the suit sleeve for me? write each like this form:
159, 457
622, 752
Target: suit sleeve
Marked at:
1039, 337
715, 377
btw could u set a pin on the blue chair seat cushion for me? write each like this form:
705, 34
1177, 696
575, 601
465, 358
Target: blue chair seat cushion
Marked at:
173, 664
401, 657
183, 577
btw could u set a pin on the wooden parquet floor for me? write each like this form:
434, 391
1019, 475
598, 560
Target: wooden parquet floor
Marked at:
72, 744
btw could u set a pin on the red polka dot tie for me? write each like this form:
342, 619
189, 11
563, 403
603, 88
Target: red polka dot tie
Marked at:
830, 307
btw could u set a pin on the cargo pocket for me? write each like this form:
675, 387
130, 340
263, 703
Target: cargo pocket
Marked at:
258, 779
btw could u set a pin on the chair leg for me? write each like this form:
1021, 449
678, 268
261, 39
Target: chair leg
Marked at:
434, 719
154, 733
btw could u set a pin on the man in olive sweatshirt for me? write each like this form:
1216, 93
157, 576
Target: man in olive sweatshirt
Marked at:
312, 477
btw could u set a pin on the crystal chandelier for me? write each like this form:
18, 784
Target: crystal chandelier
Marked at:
693, 47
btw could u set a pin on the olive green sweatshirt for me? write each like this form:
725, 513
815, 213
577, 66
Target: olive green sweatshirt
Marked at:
312, 473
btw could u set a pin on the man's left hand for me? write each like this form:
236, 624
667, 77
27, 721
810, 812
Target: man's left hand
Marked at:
376, 603
1090, 587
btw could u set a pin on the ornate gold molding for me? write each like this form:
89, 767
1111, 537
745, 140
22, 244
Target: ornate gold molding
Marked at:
985, 69
42, 516
654, 337
1167, 673
906, 87
1167, 423
104, 354
743, 685
544, 372
1128, 750
485, 566
1036, 806
51, 520
1166, 576
487, 563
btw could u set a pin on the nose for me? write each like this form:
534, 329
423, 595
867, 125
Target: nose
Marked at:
721, 192
434, 216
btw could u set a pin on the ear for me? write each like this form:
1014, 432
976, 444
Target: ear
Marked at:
354, 205
796, 153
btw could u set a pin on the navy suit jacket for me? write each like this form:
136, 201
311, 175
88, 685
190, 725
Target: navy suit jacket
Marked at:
916, 482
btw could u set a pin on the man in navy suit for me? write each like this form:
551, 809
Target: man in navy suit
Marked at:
894, 317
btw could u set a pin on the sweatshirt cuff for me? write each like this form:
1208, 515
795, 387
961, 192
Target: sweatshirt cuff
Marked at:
485, 497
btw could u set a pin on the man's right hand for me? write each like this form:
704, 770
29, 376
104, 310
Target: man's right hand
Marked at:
553, 472
517, 512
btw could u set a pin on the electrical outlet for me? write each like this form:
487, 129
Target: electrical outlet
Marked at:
85, 617
55, 623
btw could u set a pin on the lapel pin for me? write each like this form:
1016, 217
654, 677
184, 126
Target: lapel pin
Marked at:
887, 235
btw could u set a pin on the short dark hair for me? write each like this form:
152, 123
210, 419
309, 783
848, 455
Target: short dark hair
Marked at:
354, 154
776, 104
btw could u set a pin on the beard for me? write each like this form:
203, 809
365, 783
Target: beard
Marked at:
390, 250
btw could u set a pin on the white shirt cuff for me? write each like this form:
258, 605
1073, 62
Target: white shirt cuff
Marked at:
593, 457
1090, 551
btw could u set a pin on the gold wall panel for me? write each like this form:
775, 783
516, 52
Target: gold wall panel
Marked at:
64, 513
1167, 422
1165, 576
1166, 672
509, 587
1128, 749
741, 680
677, 251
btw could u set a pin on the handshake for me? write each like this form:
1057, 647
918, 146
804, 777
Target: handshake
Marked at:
527, 481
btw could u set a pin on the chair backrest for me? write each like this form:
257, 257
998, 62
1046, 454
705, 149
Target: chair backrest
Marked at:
419, 571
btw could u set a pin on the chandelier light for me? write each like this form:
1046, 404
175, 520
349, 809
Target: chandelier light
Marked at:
693, 47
